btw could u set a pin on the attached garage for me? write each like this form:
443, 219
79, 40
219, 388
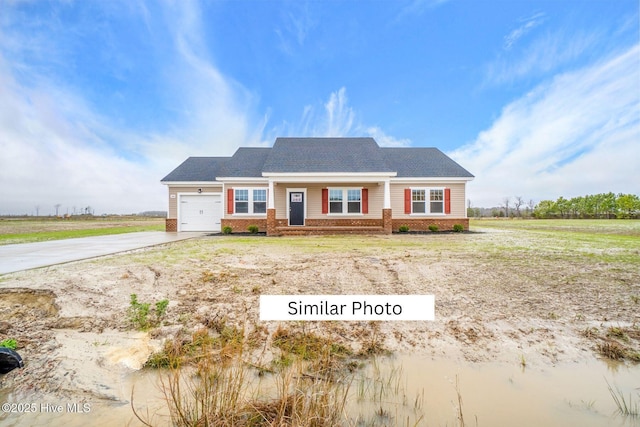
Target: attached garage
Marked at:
199, 212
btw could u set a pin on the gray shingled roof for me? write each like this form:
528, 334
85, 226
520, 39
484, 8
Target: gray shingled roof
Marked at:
197, 169
246, 162
423, 162
299, 155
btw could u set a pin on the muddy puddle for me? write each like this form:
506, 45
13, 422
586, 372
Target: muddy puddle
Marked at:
495, 394
80, 412
398, 391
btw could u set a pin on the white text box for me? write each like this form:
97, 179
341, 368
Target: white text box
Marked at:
347, 307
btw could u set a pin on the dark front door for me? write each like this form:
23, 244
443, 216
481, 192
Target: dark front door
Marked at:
296, 208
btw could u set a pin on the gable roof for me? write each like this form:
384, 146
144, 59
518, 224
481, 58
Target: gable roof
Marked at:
320, 155
347, 155
423, 162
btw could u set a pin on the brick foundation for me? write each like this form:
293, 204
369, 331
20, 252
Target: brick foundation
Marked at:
422, 224
171, 224
240, 225
343, 222
271, 222
386, 225
310, 231
387, 221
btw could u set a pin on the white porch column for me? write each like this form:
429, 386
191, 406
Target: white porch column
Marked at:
387, 194
271, 202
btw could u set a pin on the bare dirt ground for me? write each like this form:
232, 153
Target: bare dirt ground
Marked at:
501, 295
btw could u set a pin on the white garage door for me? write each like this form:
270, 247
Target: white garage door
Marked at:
200, 212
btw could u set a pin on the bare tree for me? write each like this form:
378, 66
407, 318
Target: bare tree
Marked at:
519, 202
505, 204
530, 206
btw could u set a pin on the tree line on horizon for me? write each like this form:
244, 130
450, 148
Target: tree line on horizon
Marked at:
592, 206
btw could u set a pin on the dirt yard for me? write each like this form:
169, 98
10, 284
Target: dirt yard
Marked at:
501, 295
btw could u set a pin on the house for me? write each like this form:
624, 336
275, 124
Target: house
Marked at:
318, 186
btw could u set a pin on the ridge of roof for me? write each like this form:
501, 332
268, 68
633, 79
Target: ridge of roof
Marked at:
325, 154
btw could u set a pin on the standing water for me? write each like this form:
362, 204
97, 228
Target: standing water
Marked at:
399, 391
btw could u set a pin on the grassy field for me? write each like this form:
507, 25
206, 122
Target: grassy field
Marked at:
20, 230
623, 227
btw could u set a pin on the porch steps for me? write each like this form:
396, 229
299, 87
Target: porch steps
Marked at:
310, 230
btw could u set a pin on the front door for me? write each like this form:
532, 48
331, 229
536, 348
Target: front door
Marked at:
296, 208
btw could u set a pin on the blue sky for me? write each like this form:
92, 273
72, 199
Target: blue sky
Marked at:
101, 99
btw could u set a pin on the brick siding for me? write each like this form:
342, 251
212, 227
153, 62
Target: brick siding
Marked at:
171, 224
423, 224
344, 222
240, 225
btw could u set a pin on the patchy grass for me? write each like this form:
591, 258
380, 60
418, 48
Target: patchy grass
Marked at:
39, 230
588, 240
307, 346
624, 227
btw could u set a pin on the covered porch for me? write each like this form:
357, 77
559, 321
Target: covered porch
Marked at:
323, 204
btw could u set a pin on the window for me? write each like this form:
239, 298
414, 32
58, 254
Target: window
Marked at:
335, 201
417, 201
250, 200
437, 201
338, 196
426, 201
353, 201
259, 201
242, 201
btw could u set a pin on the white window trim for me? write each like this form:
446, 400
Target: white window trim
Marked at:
250, 201
345, 201
427, 207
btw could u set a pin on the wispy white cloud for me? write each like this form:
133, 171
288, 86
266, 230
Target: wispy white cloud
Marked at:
546, 54
340, 115
54, 151
295, 27
575, 134
417, 7
337, 118
59, 148
528, 24
385, 140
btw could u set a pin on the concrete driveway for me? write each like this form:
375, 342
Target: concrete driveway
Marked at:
26, 256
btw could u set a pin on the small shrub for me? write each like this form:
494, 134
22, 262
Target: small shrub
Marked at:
226, 229
161, 308
253, 229
9, 343
139, 313
403, 228
458, 228
433, 228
